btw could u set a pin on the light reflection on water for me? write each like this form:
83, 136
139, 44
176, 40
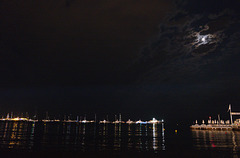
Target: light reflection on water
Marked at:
81, 137
217, 140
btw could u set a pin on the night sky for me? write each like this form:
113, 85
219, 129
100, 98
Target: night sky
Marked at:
177, 60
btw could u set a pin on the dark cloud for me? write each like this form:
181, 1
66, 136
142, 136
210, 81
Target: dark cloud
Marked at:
190, 41
192, 64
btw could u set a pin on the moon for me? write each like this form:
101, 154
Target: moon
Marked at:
201, 39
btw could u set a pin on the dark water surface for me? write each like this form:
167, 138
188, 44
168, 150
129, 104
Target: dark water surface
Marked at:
116, 138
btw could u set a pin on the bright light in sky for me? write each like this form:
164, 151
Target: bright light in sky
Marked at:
203, 39
200, 38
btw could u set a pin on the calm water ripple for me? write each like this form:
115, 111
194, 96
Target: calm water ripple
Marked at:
217, 140
76, 136
60, 136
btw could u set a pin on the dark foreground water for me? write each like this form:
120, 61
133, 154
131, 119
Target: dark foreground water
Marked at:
40, 139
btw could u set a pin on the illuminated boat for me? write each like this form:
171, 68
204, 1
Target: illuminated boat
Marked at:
87, 121
153, 121
70, 121
18, 119
117, 121
141, 122
15, 119
46, 120
32, 120
104, 121
129, 122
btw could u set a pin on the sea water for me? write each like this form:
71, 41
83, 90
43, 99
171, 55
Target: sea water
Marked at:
95, 137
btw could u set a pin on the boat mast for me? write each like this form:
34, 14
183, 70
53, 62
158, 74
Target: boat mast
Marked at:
120, 117
219, 120
230, 110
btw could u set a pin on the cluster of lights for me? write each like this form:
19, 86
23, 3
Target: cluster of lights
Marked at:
153, 121
16, 119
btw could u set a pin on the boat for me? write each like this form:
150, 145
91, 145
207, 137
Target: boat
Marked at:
141, 122
129, 122
117, 121
15, 119
104, 121
153, 121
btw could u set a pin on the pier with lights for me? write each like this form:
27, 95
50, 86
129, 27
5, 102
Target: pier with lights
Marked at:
219, 124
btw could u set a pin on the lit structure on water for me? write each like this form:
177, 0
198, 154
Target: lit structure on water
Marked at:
48, 120
219, 124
